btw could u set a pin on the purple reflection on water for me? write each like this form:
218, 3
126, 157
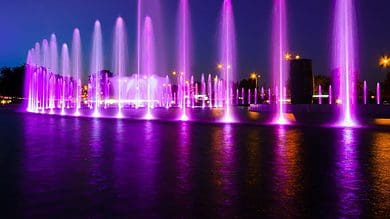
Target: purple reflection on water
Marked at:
287, 171
347, 173
102, 168
223, 170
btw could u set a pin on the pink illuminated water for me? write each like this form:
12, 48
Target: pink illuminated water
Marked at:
120, 58
365, 92
184, 51
77, 68
378, 93
279, 49
345, 59
148, 63
319, 94
65, 70
97, 64
228, 55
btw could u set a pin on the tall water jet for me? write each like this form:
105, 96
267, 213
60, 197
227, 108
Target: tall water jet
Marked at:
120, 58
45, 54
378, 93
97, 64
139, 15
77, 67
54, 70
344, 63
184, 50
27, 82
65, 71
45, 76
148, 62
279, 65
365, 92
227, 55
53, 54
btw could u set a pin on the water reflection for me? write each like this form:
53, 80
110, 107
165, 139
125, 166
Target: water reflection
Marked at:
287, 171
182, 160
223, 170
347, 174
381, 173
115, 168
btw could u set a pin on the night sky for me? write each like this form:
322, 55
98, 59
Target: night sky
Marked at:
24, 22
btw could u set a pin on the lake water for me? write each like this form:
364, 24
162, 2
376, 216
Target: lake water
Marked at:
65, 167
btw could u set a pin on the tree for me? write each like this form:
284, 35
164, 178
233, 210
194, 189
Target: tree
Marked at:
12, 81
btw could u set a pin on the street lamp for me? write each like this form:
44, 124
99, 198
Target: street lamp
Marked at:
384, 62
288, 56
255, 76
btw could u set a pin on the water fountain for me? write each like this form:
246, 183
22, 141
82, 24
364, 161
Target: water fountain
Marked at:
345, 60
365, 92
148, 64
77, 68
279, 65
228, 55
96, 66
59, 90
378, 93
119, 59
184, 50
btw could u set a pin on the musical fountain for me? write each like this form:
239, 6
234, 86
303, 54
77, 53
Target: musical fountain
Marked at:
64, 90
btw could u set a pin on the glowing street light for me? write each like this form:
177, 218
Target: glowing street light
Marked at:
384, 62
220, 66
297, 56
288, 56
255, 76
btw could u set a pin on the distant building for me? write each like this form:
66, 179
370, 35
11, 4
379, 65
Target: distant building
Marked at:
301, 81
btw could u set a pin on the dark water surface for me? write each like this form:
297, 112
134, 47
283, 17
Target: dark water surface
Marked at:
64, 167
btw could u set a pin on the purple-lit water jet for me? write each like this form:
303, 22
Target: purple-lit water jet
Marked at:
96, 65
119, 59
228, 55
345, 59
279, 65
184, 51
148, 64
77, 68
65, 67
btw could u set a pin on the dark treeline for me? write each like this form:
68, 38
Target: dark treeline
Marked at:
12, 81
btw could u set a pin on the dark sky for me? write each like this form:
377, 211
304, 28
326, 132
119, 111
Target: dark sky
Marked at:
24, 22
